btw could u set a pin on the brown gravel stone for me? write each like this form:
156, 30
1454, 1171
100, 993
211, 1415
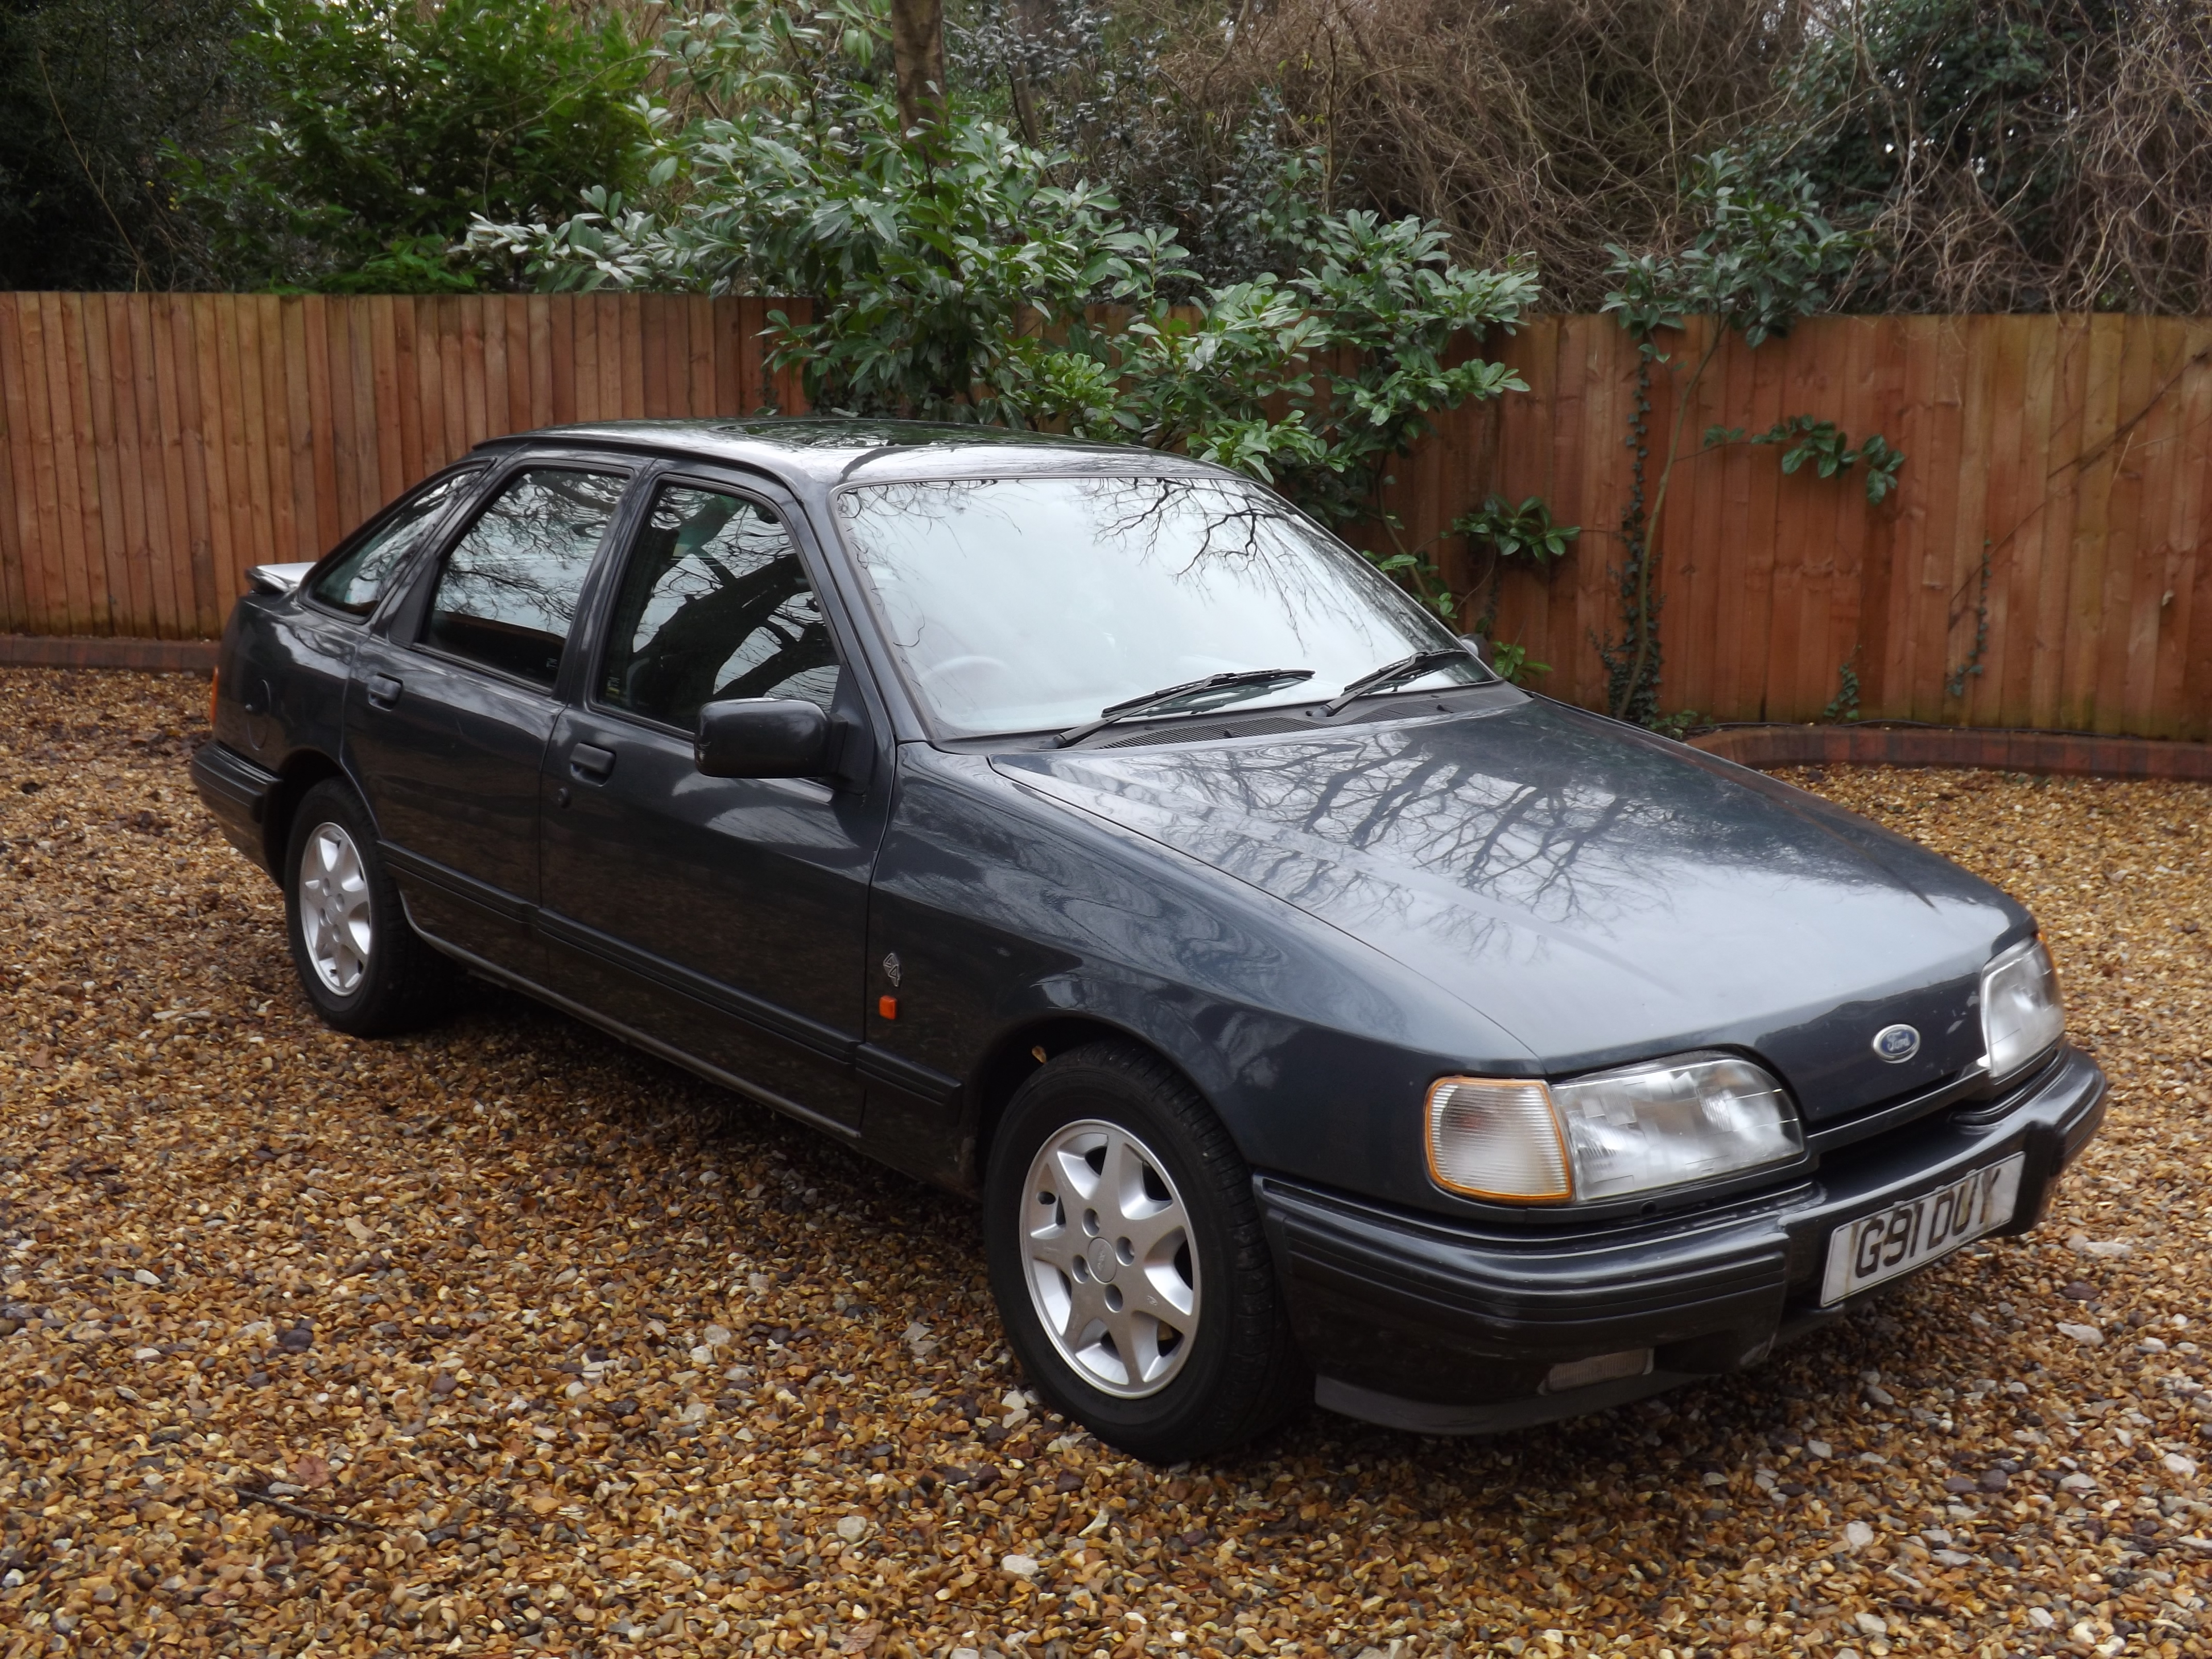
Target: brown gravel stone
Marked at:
505, 1338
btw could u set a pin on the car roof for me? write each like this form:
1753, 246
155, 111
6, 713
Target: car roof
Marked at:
839, 449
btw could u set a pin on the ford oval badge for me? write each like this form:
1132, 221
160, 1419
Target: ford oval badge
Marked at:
1896, 1043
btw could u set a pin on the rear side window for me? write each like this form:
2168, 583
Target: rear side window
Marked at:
507, 593
356, 580
714, 604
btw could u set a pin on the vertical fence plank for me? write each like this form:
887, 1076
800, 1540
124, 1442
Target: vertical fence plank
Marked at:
290, 326
261, 358
522, 368
2092, 480
655, 389
699, 398
237, 500
392, 475
26, 575
64, 443
2007, 495
752, 373
452, 370
1727, 547
561, 357
142, 616
2052, 529
180, 619
2184, 678
2152, 448
223, 573
56, 484
499, 400
624, 367
584, 358
2124, 540
1869, 650
105, 475
253, 480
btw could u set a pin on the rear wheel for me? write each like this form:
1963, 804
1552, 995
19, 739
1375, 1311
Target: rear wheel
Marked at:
1128, 1260
358, 959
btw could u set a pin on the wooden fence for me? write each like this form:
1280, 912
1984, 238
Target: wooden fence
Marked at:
2043, 561
157, 446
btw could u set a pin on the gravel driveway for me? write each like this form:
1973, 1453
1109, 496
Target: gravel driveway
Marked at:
508, 1337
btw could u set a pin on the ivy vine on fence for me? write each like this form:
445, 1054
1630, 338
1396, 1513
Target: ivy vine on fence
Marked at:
1762, 258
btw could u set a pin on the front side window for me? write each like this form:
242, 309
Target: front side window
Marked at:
1028, 603
356, 579
714, 604
507, 593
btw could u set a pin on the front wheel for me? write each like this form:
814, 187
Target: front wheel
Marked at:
357, 957
1128, 1260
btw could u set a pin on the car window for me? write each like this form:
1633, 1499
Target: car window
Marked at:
355, 581
714, 604
1017, 605
507, 593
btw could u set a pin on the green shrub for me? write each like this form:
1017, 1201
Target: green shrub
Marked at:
970, 275
386, 123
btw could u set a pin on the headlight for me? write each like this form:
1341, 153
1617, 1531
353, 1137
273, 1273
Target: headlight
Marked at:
2021, 1014
1660, 1124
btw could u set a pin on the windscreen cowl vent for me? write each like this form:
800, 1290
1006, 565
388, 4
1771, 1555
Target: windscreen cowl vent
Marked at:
1210, 732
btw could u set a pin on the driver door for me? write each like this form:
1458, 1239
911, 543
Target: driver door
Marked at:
724, 918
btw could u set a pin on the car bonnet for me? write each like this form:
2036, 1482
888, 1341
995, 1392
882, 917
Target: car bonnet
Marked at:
1603, 895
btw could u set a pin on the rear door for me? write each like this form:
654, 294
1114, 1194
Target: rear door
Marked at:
449, 709
724, 917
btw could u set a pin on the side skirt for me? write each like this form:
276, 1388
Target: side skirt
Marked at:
850, 1134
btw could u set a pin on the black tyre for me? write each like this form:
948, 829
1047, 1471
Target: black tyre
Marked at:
1128, 1260
358, 959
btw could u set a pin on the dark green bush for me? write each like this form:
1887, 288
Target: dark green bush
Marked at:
384, 125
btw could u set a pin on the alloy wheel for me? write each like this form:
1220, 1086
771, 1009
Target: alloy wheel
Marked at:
334, 914
1111, 1266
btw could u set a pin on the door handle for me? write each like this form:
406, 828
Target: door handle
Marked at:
383, 690
591, 762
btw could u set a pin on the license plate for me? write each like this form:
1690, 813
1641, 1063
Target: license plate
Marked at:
1914, 1233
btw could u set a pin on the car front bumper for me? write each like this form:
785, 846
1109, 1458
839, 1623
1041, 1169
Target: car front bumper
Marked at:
1420, 1323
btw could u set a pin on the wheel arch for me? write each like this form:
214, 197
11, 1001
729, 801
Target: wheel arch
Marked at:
299, 773
1012, 1060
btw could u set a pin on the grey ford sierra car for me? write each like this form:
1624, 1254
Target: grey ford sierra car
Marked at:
1315, 1015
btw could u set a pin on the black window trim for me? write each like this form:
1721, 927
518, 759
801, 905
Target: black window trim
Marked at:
401, 578
423, 595
689, 476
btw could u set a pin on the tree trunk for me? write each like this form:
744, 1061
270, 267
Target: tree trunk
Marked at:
1032, 23
918, 56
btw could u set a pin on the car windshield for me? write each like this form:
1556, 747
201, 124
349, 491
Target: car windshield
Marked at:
1032, 604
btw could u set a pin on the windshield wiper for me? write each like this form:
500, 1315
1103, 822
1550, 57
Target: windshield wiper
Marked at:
1396, 673
1247, 680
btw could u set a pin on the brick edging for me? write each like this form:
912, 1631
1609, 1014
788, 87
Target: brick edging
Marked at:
89, 651
2068, 753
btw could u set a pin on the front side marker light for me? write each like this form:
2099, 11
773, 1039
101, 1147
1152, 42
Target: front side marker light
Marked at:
1498, 1137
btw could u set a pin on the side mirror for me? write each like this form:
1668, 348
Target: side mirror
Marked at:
1478, 647
763, 737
